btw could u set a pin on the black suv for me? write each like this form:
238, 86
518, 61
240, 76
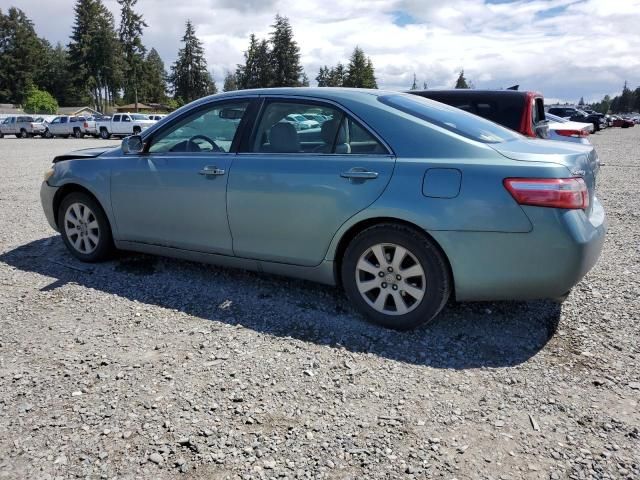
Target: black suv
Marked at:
576, 115
519, 111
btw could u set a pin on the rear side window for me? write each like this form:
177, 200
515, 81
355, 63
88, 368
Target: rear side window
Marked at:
537, 112
284, 127
450, 118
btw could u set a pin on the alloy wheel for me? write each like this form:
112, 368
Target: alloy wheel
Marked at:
81, 228
390, 279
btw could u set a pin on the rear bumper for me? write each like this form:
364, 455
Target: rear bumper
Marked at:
544, 263
47, 194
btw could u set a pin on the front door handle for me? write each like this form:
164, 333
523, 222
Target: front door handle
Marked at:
359, 173
211, 170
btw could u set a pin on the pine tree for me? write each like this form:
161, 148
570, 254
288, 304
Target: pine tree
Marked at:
56, 78
360, 72
131, 25
462, 81
337, 76
229, 83
247, 74
414, 86
94, 53
154, 79
625, 104
581, 102
323, 76
285, 55
22, 55
424, 85
304, 80
189, 75
264, 68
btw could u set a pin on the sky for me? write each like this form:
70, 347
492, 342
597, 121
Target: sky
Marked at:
564, 49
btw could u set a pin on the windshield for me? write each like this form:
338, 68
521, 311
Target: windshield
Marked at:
450, 118
555, 118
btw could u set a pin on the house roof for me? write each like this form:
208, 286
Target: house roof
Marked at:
132, 107
76, 110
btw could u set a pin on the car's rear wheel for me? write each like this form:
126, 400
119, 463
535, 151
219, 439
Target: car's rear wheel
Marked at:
136, 130
77, 133
396, 276
104, 134
24, 133
84, 227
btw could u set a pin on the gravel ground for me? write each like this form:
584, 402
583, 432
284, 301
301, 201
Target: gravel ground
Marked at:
144, 367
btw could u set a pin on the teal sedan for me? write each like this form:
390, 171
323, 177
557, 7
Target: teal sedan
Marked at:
402, 201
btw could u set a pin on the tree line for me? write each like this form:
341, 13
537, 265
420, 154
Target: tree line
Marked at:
104, 65
628, 101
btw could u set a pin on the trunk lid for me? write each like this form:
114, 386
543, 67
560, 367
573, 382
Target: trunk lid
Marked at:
581, 160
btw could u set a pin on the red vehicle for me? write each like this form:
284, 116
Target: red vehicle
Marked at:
622, 122
518, 110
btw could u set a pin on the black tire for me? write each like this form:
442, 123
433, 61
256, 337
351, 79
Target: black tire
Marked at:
136, 130
104, 134
437, 279
1, 135
104, 245
24, 133
78, 133
47, 134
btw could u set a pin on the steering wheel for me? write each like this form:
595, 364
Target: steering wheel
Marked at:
191, 144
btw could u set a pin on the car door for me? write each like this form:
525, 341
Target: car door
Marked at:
125, 125
174, 194
54, 126
290, 190
115, 125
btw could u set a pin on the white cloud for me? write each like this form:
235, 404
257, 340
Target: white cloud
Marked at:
563, 48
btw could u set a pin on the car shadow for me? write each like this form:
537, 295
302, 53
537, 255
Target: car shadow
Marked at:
465, 335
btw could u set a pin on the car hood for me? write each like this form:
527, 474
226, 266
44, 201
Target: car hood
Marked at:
84, 153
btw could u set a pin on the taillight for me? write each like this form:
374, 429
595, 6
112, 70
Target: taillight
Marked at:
573, 133
569, 193
86, 125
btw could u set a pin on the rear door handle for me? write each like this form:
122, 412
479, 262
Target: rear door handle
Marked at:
358, 173
210, 170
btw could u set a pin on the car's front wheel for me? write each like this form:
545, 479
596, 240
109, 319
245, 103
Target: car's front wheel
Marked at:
396, 276
84, 227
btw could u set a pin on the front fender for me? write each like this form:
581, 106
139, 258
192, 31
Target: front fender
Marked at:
93, 176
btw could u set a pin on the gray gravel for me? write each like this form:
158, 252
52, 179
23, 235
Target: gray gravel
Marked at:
144, 367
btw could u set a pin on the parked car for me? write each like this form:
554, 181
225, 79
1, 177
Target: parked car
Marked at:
123, 124
315, 117
402, 201
65, 126
518, 110
21, 126
300, 122
568, 131
576, 115
89, 126
622, 122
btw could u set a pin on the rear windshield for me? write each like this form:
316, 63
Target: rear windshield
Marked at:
450, 118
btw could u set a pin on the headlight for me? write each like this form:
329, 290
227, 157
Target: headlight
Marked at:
50, 172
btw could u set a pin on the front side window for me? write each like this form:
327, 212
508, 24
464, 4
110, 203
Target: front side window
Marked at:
210, 130
287, 127
116, 118
64, 119
56, 120
126, 118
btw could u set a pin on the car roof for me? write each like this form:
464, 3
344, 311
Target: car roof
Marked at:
473, 92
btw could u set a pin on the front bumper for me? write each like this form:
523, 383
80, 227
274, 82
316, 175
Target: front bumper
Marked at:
544, 263
47, 195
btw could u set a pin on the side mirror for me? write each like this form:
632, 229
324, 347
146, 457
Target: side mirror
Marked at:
132, 145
